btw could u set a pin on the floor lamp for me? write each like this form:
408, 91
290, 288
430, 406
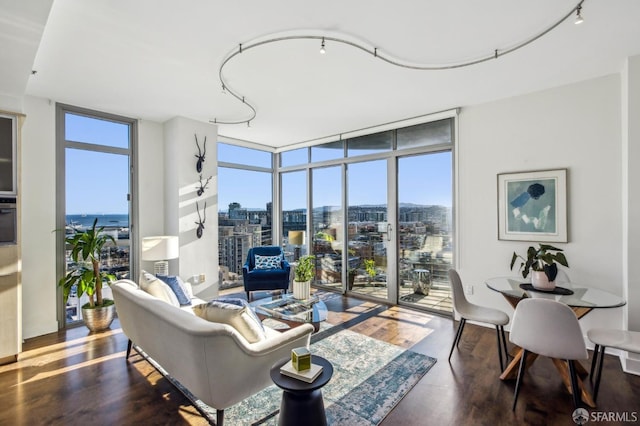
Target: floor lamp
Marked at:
160, 249
296, 238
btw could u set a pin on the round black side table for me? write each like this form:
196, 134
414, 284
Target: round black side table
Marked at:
301, 401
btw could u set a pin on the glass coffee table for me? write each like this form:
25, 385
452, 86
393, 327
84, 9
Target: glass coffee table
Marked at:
291, 311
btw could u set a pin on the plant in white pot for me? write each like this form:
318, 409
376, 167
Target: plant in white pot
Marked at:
85, 275
541, 262
304, 273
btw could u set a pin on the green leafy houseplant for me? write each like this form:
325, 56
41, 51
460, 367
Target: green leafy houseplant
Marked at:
542, 258
86, 248
370, 268
305, 269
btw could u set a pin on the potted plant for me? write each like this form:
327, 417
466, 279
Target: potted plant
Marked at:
370, 268
542, 262
85, 275
351, 279
304, 272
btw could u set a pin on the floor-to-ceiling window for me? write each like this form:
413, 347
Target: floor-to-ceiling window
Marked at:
95, 181
245, 215
381, 211
327, 225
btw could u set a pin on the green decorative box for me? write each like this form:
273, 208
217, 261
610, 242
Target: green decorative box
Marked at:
301, 359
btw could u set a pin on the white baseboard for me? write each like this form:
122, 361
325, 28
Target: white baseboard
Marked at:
630, 365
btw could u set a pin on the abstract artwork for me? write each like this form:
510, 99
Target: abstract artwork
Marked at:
532, 206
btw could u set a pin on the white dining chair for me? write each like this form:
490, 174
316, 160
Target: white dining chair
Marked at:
469, 311
609, 338
548, 328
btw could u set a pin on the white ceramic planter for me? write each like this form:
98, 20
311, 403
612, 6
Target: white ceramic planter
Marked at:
540, 281
302, 290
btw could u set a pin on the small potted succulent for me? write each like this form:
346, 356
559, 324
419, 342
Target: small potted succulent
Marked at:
541, 262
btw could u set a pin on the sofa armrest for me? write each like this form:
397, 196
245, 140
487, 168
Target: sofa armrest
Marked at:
301, 333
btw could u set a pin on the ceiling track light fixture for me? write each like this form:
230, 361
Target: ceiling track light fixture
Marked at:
579, 18
375, 52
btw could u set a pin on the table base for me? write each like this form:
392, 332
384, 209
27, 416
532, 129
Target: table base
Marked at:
302, 405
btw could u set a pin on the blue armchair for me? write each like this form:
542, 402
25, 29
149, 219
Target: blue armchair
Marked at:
270, 272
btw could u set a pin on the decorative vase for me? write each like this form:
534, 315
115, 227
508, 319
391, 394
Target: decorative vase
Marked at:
540, 281
302, 290
98, 319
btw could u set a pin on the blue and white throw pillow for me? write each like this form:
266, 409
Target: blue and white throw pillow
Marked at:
267, 262
174, 284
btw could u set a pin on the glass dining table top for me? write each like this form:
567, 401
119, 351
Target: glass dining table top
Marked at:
583, 296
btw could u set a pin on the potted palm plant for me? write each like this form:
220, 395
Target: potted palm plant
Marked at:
305, 270
86, 277
541, 262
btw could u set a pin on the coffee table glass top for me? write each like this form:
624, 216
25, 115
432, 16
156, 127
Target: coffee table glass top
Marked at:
289, 308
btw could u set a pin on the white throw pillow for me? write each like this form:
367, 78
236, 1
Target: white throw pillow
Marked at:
155, 287
233, 315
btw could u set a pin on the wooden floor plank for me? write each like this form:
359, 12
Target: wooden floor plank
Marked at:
76, 378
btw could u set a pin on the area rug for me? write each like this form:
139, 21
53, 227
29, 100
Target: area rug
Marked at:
370, 378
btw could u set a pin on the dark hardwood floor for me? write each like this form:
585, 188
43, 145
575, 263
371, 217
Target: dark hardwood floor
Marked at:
76, 378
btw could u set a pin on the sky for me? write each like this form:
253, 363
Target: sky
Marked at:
98, 182
422, 179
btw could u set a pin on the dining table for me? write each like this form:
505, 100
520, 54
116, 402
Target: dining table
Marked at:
580, 298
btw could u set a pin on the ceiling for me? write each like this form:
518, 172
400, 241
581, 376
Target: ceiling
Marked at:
158, 59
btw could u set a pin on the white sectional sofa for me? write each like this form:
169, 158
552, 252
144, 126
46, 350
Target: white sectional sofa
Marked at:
212, 360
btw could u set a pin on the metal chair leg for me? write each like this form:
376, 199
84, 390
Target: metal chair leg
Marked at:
598, 372
596, 351
504, 344
523, 364
499, 347
456, 340
574, 384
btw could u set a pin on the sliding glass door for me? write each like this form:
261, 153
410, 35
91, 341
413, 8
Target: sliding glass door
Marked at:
368, 228
425, 230
326, 226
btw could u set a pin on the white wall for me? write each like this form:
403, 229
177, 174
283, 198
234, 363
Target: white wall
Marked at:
38, 193
575, 127
631, 202
150, 180
197, 255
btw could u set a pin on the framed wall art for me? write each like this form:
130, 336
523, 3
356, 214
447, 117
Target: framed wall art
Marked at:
532, 206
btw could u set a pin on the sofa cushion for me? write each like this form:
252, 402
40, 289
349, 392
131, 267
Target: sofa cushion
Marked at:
233, 315
242, 303
268, 262
156, 287
177, 287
